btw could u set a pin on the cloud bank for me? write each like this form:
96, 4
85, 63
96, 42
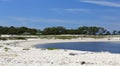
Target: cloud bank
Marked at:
103, 3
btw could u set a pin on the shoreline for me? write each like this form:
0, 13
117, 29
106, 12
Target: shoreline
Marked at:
32, 42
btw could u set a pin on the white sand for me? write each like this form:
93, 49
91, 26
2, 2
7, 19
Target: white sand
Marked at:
32, 42
16, 56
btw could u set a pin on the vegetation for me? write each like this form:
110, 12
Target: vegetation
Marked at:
19, 38
17, 30
66, 37
52, 48
26, 49
3, 38
58, 37
6, 48
12, 38
1, 46
84, 30
54, 30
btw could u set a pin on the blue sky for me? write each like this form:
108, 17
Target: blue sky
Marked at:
67, 13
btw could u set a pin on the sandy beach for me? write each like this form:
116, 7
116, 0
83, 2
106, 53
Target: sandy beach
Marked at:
33, 42
22, 53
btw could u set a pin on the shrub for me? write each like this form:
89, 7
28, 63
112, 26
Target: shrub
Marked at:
52, 48
20, 38
1, 46
65, 37
83, 62
26, 49
6, 48
3, 39
72, 54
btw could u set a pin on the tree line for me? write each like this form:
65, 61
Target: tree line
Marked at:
17, 30
84, 30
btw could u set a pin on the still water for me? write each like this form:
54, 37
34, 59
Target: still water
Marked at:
113, 47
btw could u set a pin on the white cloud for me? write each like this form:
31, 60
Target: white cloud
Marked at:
101, 2
40, 20
69, 10
75, 10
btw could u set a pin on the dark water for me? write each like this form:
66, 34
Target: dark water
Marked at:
113, 47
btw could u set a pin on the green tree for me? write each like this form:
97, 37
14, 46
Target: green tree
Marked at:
107, 33
114, 32
12, 30
118, 32
54, 30
93, 30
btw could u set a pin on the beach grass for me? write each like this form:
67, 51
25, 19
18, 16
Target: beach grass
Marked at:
26, 49
6, 48
52, 48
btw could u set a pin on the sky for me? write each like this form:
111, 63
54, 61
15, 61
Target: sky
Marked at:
67, 13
